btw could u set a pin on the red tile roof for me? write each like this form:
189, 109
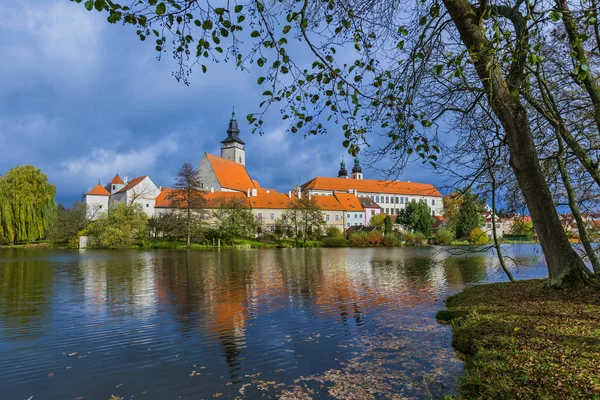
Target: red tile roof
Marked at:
212, 200
272, 199
372, 186
231, 175
98, 190
328, 203
132, 184
117, 180
348, 201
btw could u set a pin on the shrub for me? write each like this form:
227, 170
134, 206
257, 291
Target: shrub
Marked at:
443, 237
391, 241
415, 239
478, 237
334, 242
358, 239
333, 232
375, 238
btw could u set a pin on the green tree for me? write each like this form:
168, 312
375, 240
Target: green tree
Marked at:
417, 217
478, 237
122, 227
188, 198
522, 226
378, 221
388, 225
304, 216
68, 223
27, 205
233, 219
469, 215
333, 232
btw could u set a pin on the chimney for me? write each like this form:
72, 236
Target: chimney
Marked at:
349, 190
299, 194
268, 191
254, 192
248, 192
309, 195
212, 189
355, 192
290, 194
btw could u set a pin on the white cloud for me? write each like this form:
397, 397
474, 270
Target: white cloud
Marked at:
101, 164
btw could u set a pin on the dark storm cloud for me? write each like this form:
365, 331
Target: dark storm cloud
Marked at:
82, 99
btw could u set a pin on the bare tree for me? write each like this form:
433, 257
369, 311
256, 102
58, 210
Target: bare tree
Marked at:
188, 197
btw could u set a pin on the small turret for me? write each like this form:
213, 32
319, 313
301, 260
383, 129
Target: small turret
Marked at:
342, 173
116, 184
357, 169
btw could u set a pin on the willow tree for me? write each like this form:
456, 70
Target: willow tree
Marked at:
27, 205
402, 70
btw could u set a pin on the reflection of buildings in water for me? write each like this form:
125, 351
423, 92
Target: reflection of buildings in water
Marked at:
113, 282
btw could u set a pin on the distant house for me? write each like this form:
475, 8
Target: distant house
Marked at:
141, 191
96, 202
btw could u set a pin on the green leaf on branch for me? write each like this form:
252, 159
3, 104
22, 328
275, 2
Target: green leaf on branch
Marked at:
161, 9
89, 4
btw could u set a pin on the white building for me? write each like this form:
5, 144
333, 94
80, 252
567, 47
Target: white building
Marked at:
141, 191
96, 202
391, 196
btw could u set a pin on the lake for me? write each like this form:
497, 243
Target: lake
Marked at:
278, 323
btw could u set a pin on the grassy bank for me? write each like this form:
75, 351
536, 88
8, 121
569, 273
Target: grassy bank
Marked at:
523, 340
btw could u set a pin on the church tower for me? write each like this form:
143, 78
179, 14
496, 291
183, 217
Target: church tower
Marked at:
342, 173
233, 147
357, 170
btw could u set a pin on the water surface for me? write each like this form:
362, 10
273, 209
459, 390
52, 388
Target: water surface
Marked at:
290, 323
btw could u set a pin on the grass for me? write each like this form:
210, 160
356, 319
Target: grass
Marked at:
525, 340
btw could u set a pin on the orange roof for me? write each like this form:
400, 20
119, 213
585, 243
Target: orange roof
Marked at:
372, 186
270, 199
98, 190
213, 200
117, 180
348, 201
133, 183
329, 203
216, 199
256, 184
230, 175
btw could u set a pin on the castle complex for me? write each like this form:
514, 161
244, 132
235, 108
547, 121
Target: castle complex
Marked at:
345, 200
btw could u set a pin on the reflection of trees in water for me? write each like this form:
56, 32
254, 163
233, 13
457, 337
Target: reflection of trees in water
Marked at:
25, 296
468, 268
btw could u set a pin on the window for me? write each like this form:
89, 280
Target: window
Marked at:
387, 199
348, 216
348, 224
433, 213
401, 200
147, 205
113, 186
377, 199
272, 228
433, 202
355, 215
372, 212
396, 200
397, 211
100, 206
337, 217
259, 215
327, 217
387, 210
372, 198
406, 200
272, 217
240, 160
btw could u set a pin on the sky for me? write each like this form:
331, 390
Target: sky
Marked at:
82, 99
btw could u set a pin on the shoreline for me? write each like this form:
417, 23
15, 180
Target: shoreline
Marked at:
525, 340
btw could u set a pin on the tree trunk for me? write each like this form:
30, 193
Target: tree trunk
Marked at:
189, 228
564, 266
583, 236
494, 234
